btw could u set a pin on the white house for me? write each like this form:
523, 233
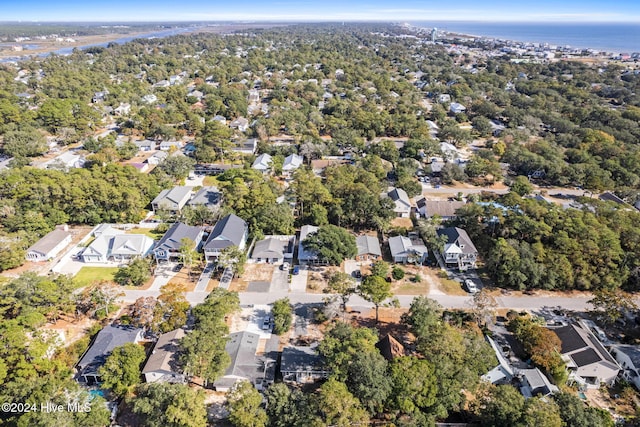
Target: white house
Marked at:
402, 203
273, 249
162, 365
113, 245
50, 245
229, 231
240, 123
172, 200
459, 250
291, 163
588, 362
628, 356
262, 163
457, 108
407, 249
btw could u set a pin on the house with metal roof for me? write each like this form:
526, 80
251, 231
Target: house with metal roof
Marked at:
588, 362
401, 201
112, 245
106, 340
407, 249
262, 163
162, 365
168, 248
172, 200
291, 163
368, 248
459, 250
50, 245
229, 231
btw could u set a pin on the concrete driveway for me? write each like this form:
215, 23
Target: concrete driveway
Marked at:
299, 281
280, 279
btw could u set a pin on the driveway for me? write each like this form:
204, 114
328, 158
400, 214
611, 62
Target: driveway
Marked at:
163, 275
203, 281
299, 281
279, 280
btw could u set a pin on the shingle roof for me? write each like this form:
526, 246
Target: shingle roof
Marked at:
172, 239
398, 194
130, 244
368, 245
291, 162
242, 347
440, 207
390, 348
208, 196
262, 162
304, 254
268, 248
163, 356
296, 359
175, 195
49, 241
107, 339
458, 237
227, 232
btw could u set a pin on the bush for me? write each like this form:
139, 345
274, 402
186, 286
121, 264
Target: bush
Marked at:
397, 273
417, 278
282, 316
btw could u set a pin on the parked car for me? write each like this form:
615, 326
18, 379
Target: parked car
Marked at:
284, 266
296, 270
470, 286
266, 323
178, 267
357, 274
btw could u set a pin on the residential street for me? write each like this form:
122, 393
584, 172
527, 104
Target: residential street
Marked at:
447, 301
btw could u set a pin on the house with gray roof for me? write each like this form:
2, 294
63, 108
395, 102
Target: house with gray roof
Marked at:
162, 365
262, 163
291, 163
106, 340
229, 231
302, 365
172, 200
112, 245
157, 157
408, 249
586, 359
401, 201
168, 247
368, 248
241, 347
628, 357
145, 145
50, 245
209, 197
445, 209
308, 256
534, 383
240, 123
274, 249
459, 250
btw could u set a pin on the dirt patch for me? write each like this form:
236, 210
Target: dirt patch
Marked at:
72, 330
252, 273
318, 278
415, 282
402, 223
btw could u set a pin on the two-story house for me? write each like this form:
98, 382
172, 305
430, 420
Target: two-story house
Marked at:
168, 248
172, 200
459, 250
229, 231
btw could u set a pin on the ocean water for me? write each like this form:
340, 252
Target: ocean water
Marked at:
609, 37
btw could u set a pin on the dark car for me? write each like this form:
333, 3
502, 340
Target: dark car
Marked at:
357, 274
177, 267
296, 270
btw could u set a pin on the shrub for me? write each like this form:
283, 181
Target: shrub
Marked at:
397, 273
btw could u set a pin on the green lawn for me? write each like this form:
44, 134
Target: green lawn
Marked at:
150, 232
88, 275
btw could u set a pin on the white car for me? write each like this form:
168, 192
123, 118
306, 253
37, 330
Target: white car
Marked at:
285, 266
471, 287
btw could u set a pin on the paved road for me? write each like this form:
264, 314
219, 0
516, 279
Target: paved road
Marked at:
447, 301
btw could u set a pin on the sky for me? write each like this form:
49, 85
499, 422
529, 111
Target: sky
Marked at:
321, 10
